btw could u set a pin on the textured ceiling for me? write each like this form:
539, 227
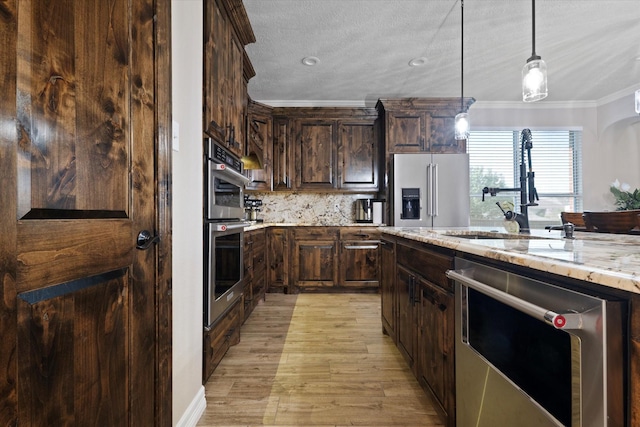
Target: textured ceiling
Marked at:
591, 47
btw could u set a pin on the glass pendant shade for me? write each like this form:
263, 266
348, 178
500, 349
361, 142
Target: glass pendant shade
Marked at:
534, 80
638, 101
462, 126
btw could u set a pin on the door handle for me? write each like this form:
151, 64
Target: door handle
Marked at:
145, 240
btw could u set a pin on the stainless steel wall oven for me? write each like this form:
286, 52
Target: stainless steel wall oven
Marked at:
223, 230
529, 353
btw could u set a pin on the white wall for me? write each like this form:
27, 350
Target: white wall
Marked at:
187, 39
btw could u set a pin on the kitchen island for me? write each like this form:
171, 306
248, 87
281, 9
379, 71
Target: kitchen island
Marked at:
417, 304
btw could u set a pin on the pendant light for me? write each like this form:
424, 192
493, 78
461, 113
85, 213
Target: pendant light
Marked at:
534, 72
462, 118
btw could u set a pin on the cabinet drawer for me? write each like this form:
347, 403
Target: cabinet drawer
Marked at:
359, 233
429, 264
315, 233
217, 341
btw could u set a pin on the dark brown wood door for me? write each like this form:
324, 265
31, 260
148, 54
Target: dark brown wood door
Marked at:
315, 154
388, 287
406, 327
84, 162
406, 131
357, 156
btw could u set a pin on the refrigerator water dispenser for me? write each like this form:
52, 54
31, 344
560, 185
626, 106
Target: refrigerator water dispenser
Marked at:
410, 203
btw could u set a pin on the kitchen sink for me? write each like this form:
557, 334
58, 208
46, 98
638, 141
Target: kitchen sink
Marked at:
478, 235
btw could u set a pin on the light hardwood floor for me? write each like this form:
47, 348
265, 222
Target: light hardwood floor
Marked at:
315, 360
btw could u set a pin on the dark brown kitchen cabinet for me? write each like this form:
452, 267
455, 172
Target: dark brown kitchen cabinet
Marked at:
406, 328
218, 339
259, 146
254, 269
435, 345
283, 170
226, 72
325, 149
357, 155
359, 258
414, 125
314, 255
278, 260
388, 286
315, 154
425, 320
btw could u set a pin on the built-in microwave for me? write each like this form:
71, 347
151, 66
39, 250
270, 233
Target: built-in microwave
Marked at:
224, 183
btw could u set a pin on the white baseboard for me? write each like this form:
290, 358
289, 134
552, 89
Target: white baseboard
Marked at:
194, 411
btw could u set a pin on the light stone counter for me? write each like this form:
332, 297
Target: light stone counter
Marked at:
611, 260
259, 225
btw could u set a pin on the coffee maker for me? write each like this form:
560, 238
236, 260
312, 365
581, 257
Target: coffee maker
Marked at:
363, 208
251, 208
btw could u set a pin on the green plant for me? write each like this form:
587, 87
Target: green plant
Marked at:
625, 198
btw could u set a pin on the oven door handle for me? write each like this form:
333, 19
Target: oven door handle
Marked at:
229, 174
565, 321
232, 226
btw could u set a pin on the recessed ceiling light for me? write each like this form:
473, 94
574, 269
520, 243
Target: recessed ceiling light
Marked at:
418, 62
310, 61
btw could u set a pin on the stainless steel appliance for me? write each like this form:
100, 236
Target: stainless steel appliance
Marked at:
430, 190
224, 183
363, 208
529, 353
223, 230
251, 208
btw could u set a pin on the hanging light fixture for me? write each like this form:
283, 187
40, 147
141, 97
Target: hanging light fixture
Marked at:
462, 118
638, 101
534, 72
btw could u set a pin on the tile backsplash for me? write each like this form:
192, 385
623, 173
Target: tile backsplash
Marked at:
308, 208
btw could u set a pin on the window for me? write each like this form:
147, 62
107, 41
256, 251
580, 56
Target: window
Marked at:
494, 158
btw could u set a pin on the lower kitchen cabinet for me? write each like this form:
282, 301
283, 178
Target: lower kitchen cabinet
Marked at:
254, 269
217, 340
387, 276
277, 259
314, 257
359, 258
425, 320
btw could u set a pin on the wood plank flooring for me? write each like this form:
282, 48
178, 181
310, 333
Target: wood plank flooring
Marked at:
315, 360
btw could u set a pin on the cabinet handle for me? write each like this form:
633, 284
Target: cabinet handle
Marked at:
361, 246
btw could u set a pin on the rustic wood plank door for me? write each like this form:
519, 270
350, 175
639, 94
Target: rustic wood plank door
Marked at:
84, 165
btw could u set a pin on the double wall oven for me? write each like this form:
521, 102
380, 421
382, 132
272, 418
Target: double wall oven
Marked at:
529, 353
223, 230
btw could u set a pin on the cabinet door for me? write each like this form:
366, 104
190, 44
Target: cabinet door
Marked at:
357, 156
406, 326
259, 143
247, 259
282, 155
406, 130
235, 96
315, 154
216, 66
359, 263
435, 344
277, 259
388, 287
441, 138
314, 264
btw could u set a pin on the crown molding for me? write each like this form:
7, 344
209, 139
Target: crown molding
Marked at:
629, 91
311, 103
519, 105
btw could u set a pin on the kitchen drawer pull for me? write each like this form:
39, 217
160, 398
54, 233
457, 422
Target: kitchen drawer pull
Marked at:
361, 246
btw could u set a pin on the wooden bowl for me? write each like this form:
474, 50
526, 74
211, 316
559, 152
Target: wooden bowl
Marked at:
612, 222
574, 218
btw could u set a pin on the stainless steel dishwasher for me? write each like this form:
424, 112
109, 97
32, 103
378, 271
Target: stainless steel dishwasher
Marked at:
530, 353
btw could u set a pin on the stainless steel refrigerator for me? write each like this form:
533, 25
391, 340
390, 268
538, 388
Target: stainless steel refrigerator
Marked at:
431, 190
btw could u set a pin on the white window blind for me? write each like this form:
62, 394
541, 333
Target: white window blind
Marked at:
556, 162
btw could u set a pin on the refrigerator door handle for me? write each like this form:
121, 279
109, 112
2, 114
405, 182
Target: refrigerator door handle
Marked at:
434, 189
428, 194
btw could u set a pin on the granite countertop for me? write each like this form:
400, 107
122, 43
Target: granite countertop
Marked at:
611, 260
259, 225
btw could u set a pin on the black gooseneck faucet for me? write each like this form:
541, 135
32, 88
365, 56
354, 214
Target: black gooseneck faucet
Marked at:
527, 181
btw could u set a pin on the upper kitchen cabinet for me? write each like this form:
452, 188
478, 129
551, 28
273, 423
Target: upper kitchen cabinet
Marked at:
258, 153
325, 149
415, 125
226, 72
